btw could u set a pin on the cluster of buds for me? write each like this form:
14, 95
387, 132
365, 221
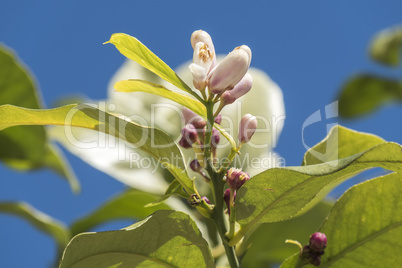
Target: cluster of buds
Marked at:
229, 78
194, 130
315, 249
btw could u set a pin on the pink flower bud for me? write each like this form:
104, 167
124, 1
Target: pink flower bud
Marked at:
226, 198
236, 178
230, 71
248, 125
192, 118
189, 136
215, 138
218, 119
318, 241
206, 200
239, 90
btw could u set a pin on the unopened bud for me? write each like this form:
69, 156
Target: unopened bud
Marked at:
218, 119
195, 166
230, 71
215, 138
226, 198
189, 136
241, 88
248, 125
235, 178
192, 118
318, 241
206, 200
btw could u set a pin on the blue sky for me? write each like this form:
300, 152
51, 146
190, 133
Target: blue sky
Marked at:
308, 48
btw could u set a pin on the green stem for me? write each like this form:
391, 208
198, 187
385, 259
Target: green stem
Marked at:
219, 219
218, 186
232, 217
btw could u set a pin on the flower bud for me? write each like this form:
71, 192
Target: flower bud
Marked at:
218, 119
195, 166
192, 118
248, 125
241, 88
226, 198
318, 241
215, 138
236, 178
189, 136
206, 200
230, 71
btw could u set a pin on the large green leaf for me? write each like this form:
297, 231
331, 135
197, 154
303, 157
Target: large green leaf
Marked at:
341, 142
386, 46
133, 49
136, 85
127, 205
39, 220
281, 193
267, 247
364, 228
164, 239
365, 93
26, 148
152, 141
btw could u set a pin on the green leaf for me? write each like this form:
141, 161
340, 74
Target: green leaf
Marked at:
164, 239
364, 227
133, 49
267, 247
39, 220
149, 140
365, 93
137, 85
294, 261
281, 193
127, 205
341, 142
386, 46
19, 150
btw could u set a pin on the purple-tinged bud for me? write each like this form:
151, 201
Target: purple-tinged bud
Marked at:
230, 71
215, 138
241, 88
195, 166
189, 136
192, 118
226, 198
235, 178
248, 125
218, 119
318, 241
206, 200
